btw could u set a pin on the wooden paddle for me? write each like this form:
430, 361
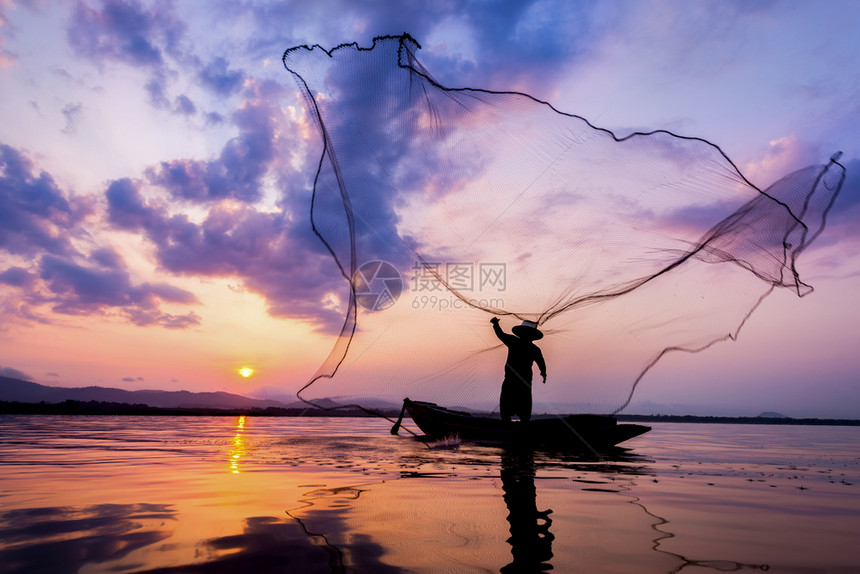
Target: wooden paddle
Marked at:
396, 427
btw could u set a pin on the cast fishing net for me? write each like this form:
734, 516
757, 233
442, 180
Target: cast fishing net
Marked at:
445, 207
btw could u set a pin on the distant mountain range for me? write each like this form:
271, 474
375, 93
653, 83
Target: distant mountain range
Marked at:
25, 397
18, 390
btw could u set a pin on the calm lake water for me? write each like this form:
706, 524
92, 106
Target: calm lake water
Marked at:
249, 494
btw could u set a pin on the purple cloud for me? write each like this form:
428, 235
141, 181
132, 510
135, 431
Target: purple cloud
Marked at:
18, 277
156, 88
127, 209
266, 250
77, 289
217, 77
186, 179
72, 112
124, 31
84, 288
849, 197
35, 214
275, 254
493, 45
842, 220
38, 221
243, 161
184, 106
149, 38
14, 373
214, 118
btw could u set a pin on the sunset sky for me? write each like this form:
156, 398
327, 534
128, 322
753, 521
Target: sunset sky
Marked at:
156, 162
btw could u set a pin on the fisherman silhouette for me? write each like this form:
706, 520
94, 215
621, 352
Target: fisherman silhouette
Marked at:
516, 397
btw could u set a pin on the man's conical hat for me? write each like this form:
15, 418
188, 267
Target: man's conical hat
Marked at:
527, 330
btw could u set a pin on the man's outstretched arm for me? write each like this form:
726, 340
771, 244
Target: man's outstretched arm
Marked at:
498, 331
541, 365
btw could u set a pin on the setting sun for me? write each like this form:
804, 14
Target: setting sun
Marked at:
246, 372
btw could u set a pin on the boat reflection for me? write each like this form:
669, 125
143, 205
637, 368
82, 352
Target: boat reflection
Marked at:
323, 518
66, 539
530, 540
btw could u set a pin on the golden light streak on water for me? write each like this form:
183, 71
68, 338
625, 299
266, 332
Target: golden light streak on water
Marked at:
239, 448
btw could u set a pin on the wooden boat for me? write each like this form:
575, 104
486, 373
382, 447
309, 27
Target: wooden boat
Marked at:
585, 432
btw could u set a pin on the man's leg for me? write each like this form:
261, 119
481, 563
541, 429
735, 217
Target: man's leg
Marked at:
525, 406
506, 409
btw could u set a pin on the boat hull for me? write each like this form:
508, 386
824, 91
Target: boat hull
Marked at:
580, 432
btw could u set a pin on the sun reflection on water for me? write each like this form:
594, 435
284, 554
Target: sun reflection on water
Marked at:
238, 450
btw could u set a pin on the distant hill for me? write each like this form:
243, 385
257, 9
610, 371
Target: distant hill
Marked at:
772, 415
17, 390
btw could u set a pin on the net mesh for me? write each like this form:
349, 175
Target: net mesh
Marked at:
445, 207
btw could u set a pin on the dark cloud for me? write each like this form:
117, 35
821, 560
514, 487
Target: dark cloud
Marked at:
494, 45
107, 257
842, 220
149, 38
14, 373
39, 221
156, 87
184, 178
244, 160
18, 277
72, 112
77, 289
125, 31
126, 207
147, 317
35, 214
528, 40
214, 118
217, 77
274, 253
849, 196
385, 163
184, 106
266, 250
